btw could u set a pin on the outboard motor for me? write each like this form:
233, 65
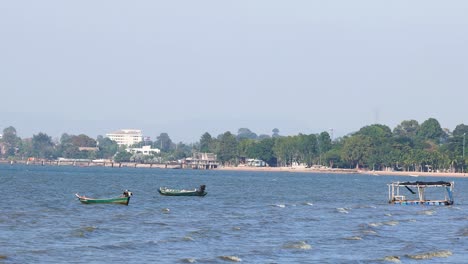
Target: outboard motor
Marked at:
202, 189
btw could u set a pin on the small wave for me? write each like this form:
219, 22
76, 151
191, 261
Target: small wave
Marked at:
427, 212
366, 207
280, 205
236, 228
40, 251
155, 223
307, 203
353, 238
231, 258
375, 224
342, 210
391, 223
188, 238
298, 245
189, 260
81, 232
388, 214
89, 228
394, 259
369, 232
165, 210
430, 255
464, 232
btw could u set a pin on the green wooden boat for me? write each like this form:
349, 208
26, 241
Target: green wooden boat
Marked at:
182, 192
123, 199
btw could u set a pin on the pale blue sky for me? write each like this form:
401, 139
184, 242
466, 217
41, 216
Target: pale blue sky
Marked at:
189, 67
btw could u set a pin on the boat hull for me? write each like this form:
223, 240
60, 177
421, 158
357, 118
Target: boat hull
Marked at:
172, 192
422, 202
116, 200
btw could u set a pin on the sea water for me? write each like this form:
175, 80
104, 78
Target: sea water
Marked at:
248, 217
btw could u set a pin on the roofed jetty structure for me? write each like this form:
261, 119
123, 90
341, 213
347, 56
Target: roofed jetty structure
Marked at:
203, 161
414, 193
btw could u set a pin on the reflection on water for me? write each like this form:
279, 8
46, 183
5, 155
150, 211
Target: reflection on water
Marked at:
246, 217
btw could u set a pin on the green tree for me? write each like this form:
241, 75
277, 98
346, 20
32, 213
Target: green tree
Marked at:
122, 156
66, 148
263, 150
407, 128
246, 148
375, 131
325, 141
25, 148
285, 150
69, 146
333, 157
164, 143
307, 148
453, 151
206, 143
431, 129
379, 139
42, 146
227, 148
107, 147
460, 130
356, 150
245, 133
11, 141
275, 133
182, 151
83, 141
263, 136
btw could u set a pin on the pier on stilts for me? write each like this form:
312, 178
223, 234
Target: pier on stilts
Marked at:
201, 161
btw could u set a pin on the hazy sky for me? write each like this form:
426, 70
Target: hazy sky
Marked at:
189, 67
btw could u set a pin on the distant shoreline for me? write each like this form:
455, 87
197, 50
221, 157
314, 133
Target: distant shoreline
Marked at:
414, 174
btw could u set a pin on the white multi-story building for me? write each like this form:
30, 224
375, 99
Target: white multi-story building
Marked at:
126, 137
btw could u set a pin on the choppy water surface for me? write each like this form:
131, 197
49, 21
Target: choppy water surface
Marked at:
247, 217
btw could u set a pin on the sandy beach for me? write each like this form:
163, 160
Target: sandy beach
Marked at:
345, 171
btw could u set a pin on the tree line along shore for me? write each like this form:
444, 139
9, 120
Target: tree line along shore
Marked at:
409, 147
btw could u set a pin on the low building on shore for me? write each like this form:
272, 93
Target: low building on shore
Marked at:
256, 163
145, 150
